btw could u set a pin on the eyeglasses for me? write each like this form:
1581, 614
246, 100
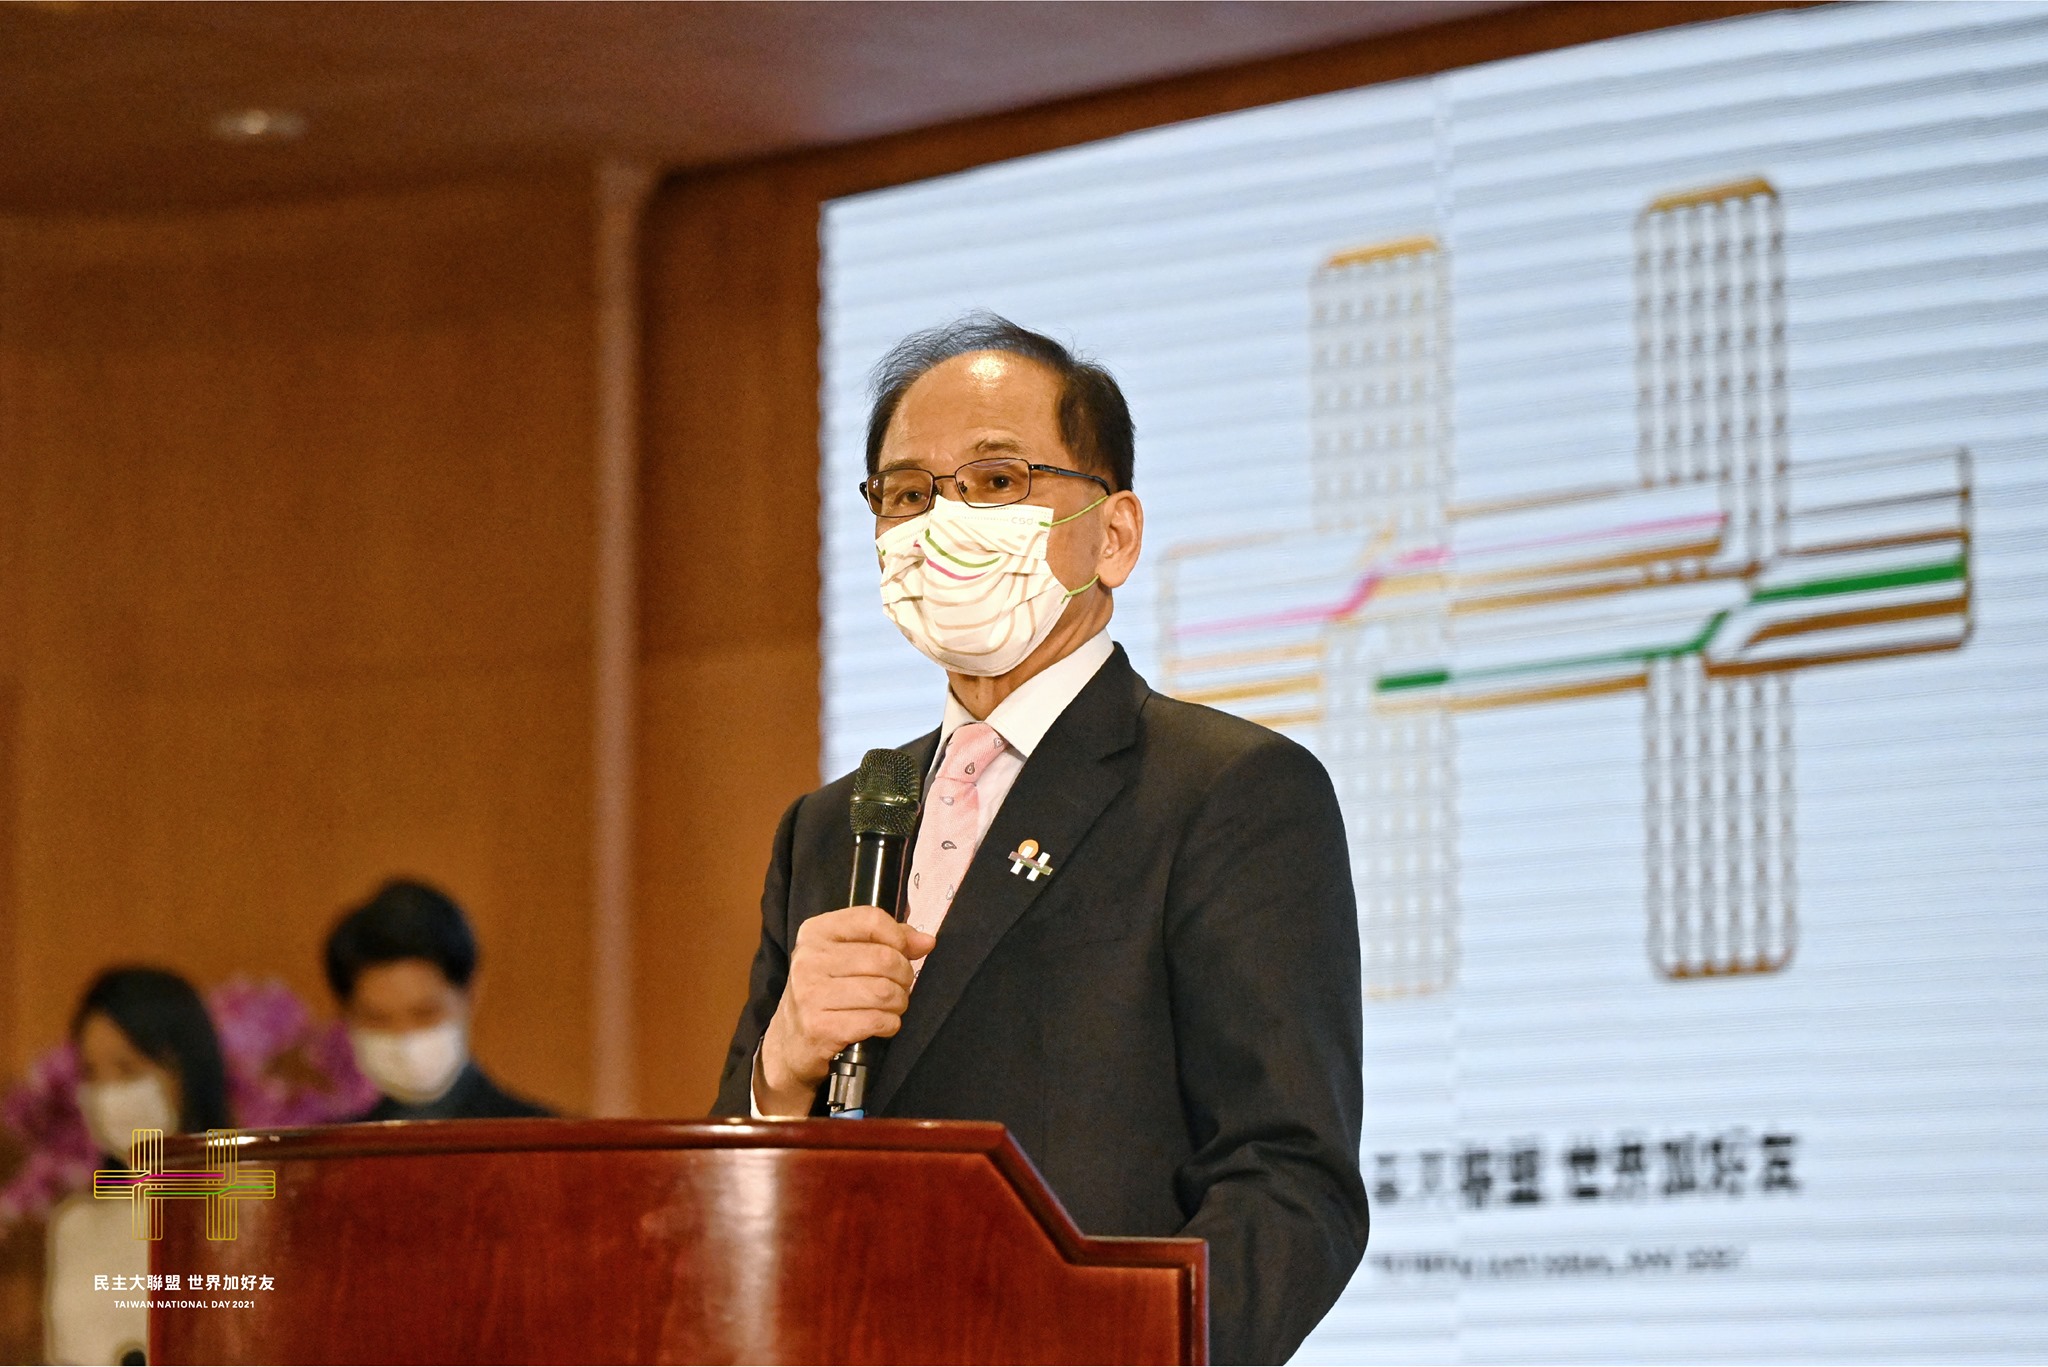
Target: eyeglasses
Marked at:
907, 490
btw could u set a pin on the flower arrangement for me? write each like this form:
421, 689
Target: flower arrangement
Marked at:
42, 1112
283, 1066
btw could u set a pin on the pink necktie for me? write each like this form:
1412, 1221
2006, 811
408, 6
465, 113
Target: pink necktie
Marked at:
951, 826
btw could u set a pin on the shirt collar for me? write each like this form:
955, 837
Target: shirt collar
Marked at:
1023, 718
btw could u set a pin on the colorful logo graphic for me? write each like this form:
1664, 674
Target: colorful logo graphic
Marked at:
1703, 584
145, 1184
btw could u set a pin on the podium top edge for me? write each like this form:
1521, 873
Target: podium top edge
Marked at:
396, 1138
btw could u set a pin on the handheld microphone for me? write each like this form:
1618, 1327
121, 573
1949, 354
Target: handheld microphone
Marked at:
884, 813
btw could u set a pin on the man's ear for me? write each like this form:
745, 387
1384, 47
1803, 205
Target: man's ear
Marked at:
1123, 534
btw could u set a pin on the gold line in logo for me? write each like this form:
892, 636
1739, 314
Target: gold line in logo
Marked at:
145, 1184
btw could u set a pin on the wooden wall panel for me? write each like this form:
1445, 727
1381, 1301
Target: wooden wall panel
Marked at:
300, 592
729, 601
730, 442
728, 738
729, 540
322, 438
10, 920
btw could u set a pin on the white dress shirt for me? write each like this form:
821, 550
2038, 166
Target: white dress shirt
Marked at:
89, 1238
1021, 719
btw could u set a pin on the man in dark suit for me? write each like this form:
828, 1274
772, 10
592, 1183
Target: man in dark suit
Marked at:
401, 966
1146, 954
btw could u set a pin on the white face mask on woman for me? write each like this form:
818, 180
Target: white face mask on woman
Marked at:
412, 1066
971, 587
115, 1110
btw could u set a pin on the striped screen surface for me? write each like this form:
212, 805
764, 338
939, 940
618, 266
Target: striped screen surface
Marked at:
1627, 468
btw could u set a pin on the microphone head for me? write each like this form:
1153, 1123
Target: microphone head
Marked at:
885, 794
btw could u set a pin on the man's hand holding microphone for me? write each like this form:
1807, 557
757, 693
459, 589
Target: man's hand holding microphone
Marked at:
849, 980
851, 970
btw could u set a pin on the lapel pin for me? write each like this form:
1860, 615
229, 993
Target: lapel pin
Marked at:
1026, 856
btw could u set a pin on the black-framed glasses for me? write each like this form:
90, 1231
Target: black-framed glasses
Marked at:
908, 490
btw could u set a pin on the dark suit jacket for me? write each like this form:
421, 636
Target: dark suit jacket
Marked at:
473, 1097
1169, 1024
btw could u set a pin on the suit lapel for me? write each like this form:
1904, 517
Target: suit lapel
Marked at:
1061, 791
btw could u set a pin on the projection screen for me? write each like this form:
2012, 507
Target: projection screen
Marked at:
1626, 467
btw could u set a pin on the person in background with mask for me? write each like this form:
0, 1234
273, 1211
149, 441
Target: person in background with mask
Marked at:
401, 966
1131, 934
149, 1060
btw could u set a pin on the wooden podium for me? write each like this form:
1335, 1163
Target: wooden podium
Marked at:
492, 1241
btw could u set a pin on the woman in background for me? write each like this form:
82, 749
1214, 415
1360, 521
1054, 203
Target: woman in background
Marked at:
149, 1059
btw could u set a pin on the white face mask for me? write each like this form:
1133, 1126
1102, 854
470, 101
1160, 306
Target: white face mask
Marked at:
115, 1110
413, 1066
971, 587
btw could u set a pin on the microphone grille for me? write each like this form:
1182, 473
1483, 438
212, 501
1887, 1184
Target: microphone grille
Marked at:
885, 794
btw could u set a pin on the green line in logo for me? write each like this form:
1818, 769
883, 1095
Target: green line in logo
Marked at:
1891, 579
1945, 571
1421, 678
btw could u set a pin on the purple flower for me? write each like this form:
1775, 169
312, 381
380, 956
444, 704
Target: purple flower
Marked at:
42, 1111
284, 1068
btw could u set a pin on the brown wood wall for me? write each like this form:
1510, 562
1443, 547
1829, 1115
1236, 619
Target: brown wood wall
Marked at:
295, 558
298, 557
